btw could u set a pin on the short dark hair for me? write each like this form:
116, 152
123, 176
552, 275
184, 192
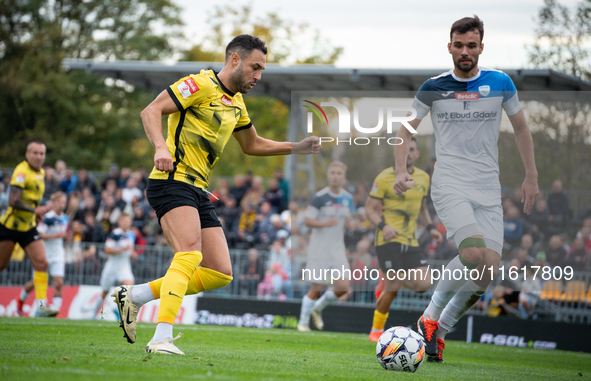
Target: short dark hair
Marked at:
34, 141
466, 25
244, 44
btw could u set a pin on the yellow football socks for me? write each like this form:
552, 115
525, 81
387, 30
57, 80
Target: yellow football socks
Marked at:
40, 283
202, 279
379, 320
174, 284
208, 279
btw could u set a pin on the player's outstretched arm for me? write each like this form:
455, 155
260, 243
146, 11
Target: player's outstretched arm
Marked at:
403, 179
253, 144
525, 146
152, 120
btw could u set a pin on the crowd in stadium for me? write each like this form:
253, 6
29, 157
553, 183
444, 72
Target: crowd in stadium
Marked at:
257, 216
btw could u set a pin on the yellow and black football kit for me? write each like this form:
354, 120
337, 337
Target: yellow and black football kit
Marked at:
19, 225
208, 115
401, 213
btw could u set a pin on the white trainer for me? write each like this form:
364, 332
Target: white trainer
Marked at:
303, 327
317, 320
128, 310
46, 311
165, 346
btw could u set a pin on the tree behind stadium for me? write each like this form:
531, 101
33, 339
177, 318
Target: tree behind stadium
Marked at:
561, 129
84, 120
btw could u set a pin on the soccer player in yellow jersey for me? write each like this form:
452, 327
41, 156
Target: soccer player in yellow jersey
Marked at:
18, 224
397, 246
204, 111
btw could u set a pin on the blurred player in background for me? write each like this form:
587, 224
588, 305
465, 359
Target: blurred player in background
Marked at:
327, 215
52, 230
397, 246
18, 224
466, 106
205, 110
119, 248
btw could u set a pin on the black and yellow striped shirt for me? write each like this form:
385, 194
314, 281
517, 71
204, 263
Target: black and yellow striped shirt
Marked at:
197, 134
400, 211
32, 182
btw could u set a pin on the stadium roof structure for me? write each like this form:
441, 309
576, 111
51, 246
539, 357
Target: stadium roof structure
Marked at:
279, 81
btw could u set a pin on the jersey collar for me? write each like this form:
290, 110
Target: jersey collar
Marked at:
224, 88
465, 79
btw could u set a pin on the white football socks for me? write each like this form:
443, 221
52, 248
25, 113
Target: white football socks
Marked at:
142, 293
24, 295
325, 300
307, 305
461, 302
446, 288
163, 331
57, 302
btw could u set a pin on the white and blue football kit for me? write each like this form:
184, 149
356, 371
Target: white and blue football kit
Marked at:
466, 115
54, 247
326, 249
118, 266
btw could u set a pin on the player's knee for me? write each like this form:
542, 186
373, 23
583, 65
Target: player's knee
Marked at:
473, 249
40, 265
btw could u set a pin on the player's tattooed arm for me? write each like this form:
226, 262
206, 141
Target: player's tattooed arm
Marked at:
15, 201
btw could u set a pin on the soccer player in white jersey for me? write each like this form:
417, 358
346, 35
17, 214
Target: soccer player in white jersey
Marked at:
466, 105
119, 248
52, 230
327, 215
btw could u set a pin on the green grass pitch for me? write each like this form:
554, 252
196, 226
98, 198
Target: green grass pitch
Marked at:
63, 350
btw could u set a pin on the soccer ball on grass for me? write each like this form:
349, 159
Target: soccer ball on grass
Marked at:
400, 348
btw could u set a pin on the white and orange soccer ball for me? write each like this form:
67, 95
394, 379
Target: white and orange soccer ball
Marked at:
400, 348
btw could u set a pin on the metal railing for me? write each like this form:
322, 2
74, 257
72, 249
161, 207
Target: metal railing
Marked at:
85, 262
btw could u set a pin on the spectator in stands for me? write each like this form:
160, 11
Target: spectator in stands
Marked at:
255, 193
60, 170
239, 190
251, 272
6, 182
114, 212
113, 175
93, 231
524, 258
87, 205
577, 257
275, 196
130, 191
531, 289
73, 205
139, 217
247, 224
539, 219
69, 181
86, 180
541, 259
585, 234
125, 175
555, 253
559, 209
527, 244
513, 226
110, 188
229, 212
3, 199
52, 184
265, 227
360, 196
283, 184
